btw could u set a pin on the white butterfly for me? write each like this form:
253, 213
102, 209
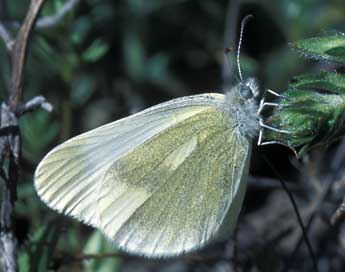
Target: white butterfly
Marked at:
161, 182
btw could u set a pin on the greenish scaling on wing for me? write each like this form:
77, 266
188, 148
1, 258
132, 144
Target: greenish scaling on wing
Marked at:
162, 182
165, 181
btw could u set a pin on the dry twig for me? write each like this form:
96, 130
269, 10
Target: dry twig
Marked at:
10, 142
339, 214
51, 21
298, 215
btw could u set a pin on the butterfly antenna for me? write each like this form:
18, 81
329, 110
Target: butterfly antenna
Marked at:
243, 24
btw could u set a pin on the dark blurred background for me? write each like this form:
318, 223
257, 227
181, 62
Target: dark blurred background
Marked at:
108, 59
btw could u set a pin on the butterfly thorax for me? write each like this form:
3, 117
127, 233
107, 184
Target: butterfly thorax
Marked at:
242, 104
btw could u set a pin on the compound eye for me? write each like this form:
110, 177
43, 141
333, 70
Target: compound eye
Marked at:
245, 92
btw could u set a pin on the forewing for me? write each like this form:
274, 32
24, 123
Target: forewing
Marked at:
68, 177
172, 194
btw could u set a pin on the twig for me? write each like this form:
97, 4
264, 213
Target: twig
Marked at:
50, 21
6, 131
10, 148
19, 54
339, 156
335, 165
10, 145
191, 258
310, 220
339, 215
67, 260
33, 104
298, 215
6, 37
10, 142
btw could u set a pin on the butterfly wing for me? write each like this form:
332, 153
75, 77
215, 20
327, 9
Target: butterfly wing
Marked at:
68, 177
173, 194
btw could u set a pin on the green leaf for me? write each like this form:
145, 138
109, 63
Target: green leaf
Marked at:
135, 56
332, 82
24, 262
82, 89
97, 244
330, 48
28, 205
71, 242
80, 29
63, 61
38, 132
95, 51
312, 119
42, 247
156, 66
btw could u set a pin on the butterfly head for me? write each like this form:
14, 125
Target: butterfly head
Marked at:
242, 101
248, 89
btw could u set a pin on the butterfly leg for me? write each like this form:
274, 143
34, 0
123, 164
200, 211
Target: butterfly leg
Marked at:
281, 143
276, 94
262, 106
263, 126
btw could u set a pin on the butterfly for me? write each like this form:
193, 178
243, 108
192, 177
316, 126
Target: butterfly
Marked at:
164, 181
